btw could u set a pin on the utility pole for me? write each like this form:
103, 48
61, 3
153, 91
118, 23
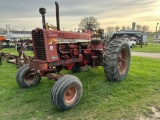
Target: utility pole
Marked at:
24, 32
8, 27
156, 35
156, 27
8, 30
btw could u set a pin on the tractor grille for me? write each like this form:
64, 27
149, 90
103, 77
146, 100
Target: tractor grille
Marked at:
38, 39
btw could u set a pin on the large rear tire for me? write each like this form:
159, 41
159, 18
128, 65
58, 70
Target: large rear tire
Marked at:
116, 60
67, 92
26, 78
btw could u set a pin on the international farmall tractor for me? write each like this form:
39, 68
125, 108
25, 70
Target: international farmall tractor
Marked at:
55, 50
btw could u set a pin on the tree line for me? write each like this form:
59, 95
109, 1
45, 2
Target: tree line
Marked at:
143, 28
91, 23
5, 30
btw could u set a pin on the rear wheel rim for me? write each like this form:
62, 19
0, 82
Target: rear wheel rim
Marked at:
123, 61
70, 94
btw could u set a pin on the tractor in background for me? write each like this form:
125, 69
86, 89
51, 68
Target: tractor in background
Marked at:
55, 50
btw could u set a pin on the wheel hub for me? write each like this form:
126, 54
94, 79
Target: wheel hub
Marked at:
123, 61
29, 76
70, 94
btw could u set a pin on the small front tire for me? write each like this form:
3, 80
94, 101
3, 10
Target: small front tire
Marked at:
67, 92
26, 78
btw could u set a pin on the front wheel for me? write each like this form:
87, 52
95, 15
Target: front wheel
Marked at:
116, 60
67, 92
26, 78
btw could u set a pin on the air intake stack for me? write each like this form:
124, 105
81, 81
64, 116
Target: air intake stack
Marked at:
57, 15
42, 11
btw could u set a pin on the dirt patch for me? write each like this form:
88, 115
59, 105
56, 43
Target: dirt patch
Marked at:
144, 54
154, 115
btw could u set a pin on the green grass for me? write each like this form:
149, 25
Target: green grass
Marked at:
151, 48
101, 100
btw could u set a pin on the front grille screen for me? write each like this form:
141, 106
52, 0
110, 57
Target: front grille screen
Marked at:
38, 39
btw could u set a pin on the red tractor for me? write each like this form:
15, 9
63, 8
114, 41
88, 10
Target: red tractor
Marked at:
55, 50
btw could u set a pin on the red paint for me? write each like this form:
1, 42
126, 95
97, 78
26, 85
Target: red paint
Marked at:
61, 49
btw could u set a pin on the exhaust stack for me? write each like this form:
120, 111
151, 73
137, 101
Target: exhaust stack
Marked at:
42, 11
57, 15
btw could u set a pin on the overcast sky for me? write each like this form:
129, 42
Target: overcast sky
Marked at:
22, 14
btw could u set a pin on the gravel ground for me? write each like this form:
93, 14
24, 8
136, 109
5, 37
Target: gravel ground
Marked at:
144, 54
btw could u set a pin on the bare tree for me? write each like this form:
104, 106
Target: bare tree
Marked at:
110, 29
139, 27
89, 23
128, 28
13, 29
123, 27
116, 28
3, 30
145, 28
